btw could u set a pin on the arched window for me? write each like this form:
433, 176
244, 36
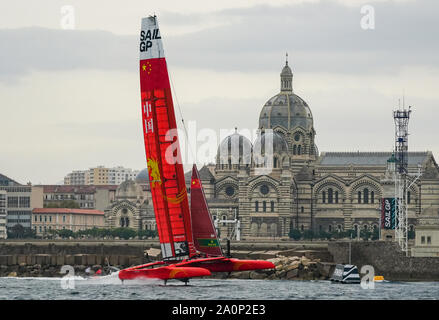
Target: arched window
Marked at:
330, 228
408, 197
275, 162
264, 206
372, 197
127, 222
299, 150
324, 197
336, 196
257, 206
272, 206
122, 222
366, 195
359, 196
302, 209
224, 218
330, 196
230, 164
301, 227
294, 149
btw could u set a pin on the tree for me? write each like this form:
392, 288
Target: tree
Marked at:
20, 232
295, 234
349, 234
365, 234
63, 204
66, 233
123, 233
375, 234
324, 235
338, 234
308, 235
146, 233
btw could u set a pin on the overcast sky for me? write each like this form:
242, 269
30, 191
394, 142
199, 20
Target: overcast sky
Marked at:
69, 99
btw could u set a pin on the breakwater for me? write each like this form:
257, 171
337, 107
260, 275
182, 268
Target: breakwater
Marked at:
45, 258
42, 258
293, 259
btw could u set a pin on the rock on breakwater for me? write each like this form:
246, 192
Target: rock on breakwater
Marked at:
287, 268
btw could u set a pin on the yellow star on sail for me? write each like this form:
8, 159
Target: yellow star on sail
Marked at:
147, 67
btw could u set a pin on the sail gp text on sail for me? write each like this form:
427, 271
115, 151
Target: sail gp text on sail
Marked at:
147, 37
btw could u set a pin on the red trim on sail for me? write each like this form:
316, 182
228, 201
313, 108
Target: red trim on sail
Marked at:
205, 237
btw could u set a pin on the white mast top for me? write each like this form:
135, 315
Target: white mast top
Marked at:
150, 40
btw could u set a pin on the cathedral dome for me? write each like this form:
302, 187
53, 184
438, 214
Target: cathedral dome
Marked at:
286, 109
236, 148
142, 177
280, 145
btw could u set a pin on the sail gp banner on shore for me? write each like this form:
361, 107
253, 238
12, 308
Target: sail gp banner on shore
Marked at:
388, 213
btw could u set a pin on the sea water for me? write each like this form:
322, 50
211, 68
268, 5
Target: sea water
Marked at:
111, 288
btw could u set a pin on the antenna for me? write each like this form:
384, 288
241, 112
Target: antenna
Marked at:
403, 99
401, 118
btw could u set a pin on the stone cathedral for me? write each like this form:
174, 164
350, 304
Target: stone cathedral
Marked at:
306, 189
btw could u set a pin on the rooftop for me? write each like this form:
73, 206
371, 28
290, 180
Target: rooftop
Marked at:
67, 211
6, 181
367, 158
76, 188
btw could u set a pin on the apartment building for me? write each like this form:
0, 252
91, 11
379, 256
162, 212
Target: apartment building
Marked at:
46, 219
3, 233
18, 202
100, 175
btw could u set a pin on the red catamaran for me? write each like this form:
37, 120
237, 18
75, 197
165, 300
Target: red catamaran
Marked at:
188, 240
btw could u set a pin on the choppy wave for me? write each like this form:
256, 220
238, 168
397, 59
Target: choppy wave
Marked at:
111, 287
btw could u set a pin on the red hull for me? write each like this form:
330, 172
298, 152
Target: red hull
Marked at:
192, 268
222, 264
166, 272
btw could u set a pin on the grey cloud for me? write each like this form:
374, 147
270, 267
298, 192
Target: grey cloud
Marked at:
321, 37
29, 49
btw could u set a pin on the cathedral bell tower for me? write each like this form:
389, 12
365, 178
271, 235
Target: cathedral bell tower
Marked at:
286, 78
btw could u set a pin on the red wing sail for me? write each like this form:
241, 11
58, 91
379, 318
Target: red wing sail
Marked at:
163, 157
205, 238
